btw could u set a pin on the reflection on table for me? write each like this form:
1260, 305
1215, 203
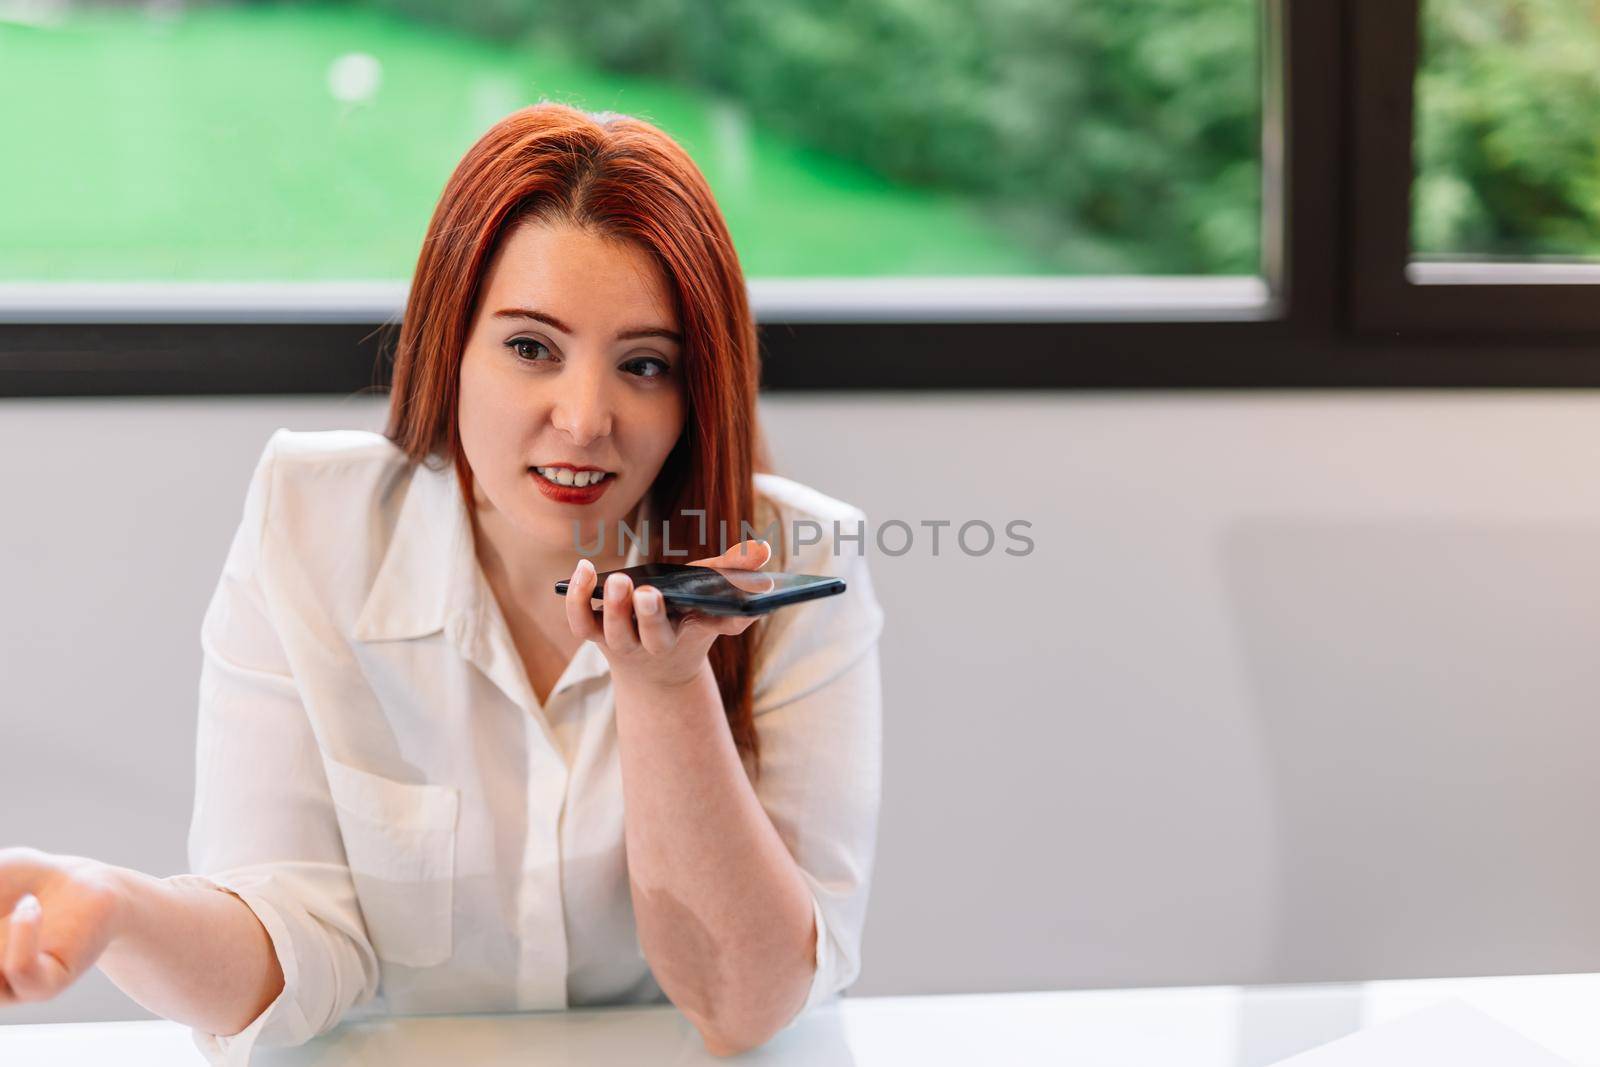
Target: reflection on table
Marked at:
1212, 1026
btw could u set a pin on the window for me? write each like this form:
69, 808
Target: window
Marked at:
948, 194
1478, 166
284, 158
1506, 146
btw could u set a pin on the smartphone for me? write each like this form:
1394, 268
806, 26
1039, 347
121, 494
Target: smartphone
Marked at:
714, 591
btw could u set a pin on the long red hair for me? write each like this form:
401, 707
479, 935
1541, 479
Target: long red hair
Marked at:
620, 177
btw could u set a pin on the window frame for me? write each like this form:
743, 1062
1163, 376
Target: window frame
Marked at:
1337, 78
1393, 292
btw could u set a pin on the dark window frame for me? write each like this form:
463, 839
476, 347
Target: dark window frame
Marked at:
1390, 292
1338, 72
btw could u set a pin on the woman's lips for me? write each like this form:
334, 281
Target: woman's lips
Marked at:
571, 494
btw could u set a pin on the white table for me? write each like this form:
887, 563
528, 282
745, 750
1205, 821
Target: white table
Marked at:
1212, 1026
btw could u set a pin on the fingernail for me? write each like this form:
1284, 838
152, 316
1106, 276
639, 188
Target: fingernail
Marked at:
648, 601
585, 568
27, 907
615, 584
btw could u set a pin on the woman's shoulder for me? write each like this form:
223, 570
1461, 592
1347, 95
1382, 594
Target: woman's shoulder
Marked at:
810, 643
799, 497
336, 448
809, 522
320, 487
328, 462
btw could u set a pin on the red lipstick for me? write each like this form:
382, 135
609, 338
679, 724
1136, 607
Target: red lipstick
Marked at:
570, 494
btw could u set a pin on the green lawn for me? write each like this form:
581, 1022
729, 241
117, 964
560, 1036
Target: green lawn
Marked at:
210, 147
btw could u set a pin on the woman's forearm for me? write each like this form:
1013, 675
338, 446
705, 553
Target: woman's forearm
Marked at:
724, 915
194, 955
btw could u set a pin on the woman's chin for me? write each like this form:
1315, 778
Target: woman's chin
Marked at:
560, 530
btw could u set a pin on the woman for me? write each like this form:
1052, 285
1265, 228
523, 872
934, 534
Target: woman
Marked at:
427, 784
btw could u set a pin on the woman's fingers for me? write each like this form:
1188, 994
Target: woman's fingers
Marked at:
618, 625
11, 947
636, 618
701, 631
30, 973
744, 556
655, 629
57, 915
22, 932
580, 588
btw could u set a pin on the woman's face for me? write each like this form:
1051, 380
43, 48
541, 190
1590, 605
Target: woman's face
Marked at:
573, 359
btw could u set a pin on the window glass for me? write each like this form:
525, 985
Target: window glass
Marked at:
1508, 130
294, 142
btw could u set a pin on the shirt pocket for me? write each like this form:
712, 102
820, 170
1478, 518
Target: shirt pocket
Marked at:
400, 845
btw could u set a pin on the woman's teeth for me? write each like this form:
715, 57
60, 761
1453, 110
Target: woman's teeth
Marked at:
567, 476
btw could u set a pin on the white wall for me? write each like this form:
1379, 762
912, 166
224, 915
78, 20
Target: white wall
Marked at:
1294, 687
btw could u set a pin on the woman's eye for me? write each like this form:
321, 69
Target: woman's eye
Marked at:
522, 346
647, 367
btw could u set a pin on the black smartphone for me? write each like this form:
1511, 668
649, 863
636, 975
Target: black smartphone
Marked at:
714, 591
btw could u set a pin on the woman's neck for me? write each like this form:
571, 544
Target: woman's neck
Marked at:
524, 574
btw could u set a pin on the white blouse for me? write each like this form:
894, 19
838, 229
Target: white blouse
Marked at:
417, 834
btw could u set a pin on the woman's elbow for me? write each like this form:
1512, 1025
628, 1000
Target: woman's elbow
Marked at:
727, 1043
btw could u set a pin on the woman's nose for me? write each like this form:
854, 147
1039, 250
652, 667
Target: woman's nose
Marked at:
582, 408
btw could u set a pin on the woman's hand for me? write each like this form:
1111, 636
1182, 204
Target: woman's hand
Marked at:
633, 632
57, 915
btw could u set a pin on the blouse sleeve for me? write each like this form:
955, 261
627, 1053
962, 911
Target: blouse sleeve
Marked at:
263, 826
818, 709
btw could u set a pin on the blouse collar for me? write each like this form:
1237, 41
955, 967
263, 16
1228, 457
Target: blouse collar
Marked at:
430, 581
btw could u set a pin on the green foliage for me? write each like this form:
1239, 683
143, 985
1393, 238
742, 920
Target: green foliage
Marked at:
1105, 137
1508, 128
1110, 137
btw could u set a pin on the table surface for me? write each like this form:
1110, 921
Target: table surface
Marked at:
1210, 1026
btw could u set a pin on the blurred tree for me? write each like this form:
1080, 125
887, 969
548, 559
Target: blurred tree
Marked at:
1108, 137
1508, 128
1114, 137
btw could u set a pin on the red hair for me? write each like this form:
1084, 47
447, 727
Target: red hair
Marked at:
622, 178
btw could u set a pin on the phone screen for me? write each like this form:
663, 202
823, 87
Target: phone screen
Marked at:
722, 592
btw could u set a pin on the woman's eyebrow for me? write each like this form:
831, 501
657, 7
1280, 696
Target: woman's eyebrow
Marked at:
551, 320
